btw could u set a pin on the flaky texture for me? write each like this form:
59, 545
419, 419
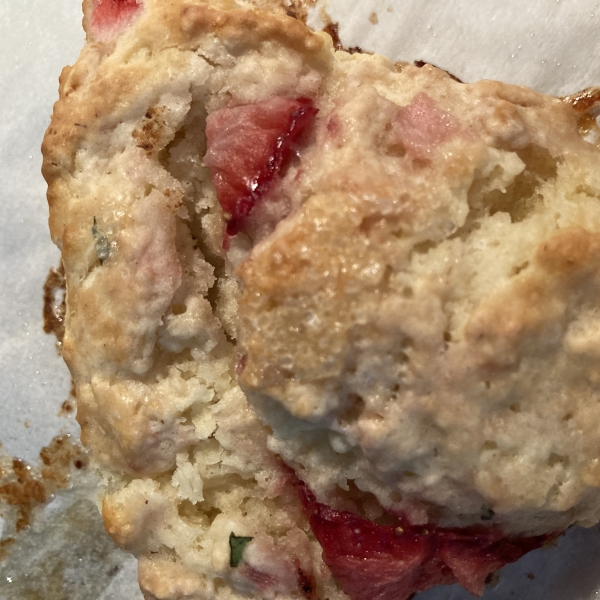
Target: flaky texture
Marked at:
419, 335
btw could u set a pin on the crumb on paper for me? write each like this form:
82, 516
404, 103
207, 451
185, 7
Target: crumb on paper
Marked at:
67, 553
24, 488
373, 18
5, 545
67, 407
493, 579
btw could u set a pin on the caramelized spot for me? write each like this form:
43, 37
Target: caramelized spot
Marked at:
306, 584
332, 29
421, 63
584, 100
149, 136
54, 304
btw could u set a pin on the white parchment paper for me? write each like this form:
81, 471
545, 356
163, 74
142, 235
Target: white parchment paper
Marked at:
551, 45
37, 38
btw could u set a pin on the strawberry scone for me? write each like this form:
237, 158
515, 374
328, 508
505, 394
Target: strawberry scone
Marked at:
333, 322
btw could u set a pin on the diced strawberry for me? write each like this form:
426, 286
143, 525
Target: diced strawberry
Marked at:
114, 14
375, 562
247, 147
422, 126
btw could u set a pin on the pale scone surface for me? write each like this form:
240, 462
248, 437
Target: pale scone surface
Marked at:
419, 335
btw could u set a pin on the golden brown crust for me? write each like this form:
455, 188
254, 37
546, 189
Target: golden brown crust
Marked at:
523, 309
584, 101
242, 29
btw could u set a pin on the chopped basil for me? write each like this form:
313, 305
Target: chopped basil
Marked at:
101, 243
236, 547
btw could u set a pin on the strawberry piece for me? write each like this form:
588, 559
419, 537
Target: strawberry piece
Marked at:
248, 146
114, 14
422, 126
376, 562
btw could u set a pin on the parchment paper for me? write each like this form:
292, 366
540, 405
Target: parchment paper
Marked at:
551, 45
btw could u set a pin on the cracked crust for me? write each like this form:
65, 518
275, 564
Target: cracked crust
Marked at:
420, 334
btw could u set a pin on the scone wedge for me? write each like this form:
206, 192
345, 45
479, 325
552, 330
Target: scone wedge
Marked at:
333, 321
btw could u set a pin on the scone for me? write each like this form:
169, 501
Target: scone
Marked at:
333, 322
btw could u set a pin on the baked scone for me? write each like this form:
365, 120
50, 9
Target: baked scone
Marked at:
332, 321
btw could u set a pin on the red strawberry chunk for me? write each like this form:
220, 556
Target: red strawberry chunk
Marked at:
376, 562
248, 146
114, 14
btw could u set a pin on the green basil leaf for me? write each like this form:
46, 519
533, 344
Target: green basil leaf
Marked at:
101, 243
236, 547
